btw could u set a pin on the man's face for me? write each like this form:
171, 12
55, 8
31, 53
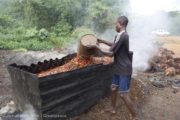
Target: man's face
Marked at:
118, 27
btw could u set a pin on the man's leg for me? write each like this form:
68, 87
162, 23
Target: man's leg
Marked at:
130, 105
114, 89
112, 108
124, 86
113, 97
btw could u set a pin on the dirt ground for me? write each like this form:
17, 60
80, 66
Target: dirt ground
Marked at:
153, 103
171, 43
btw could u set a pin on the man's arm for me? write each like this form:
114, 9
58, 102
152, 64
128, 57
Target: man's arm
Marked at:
114, 48
107, 53
105, 42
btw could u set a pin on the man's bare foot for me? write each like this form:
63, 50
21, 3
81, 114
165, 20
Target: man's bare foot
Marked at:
111, 110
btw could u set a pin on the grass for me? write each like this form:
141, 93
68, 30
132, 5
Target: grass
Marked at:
28, 45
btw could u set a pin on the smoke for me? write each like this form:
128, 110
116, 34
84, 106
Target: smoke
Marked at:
144, 18
9, 108
9, 111
142, 39
29, 114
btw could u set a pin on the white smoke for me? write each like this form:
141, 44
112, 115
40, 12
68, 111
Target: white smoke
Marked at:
8, 110
142, 39
146, 17
29, 113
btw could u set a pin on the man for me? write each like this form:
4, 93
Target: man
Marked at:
122, 67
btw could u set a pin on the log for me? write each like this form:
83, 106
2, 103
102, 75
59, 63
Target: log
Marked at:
86, 40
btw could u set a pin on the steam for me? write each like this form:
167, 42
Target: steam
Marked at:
9, 110
29, 113
149, 7
142, 39
144, 18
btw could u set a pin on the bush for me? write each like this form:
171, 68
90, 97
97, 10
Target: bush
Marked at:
43, 34
55, 40
62, 28
5, 21
33, 44
61, 35
38, 45
59, 42
100, 16
44, 24
31, 33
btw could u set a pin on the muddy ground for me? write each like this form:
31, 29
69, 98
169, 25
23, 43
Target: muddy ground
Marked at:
154, 102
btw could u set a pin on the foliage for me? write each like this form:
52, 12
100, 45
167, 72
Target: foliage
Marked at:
78, 32
20, 50
100, 15
60, 41
5, 21
43, 34
44, 24
29, 45
62, 28
31, 33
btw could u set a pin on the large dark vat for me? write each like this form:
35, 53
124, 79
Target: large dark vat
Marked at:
59, 96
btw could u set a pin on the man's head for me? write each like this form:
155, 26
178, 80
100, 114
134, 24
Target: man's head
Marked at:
121, 23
